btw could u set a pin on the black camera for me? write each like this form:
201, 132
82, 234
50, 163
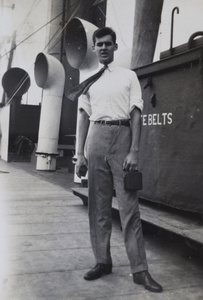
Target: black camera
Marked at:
133, 180
83, 170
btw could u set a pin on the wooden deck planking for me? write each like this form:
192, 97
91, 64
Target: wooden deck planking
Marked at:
47, 232
177, 224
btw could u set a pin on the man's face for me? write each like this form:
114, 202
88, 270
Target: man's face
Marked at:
104, 48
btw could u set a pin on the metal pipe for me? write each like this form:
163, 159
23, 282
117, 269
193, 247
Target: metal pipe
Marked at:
172, 24
191, 39
62, 34
16, 83
49, 75
78, 47
80, 55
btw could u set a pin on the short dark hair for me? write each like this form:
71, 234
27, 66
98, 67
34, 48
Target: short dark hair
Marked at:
102, 32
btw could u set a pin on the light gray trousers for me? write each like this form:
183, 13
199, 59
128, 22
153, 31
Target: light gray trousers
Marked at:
107, 147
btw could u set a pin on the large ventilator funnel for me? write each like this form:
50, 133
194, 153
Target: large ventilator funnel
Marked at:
49, 75
79, 54
79, 43
16, 83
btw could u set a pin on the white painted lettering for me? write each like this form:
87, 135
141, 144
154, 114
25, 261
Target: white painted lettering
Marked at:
170, 118
154, 119
164, 118
149, 119
144, 117
158, 121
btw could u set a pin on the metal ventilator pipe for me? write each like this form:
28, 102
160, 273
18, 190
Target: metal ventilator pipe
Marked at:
15, 82
49, 75
80, 55
78, 47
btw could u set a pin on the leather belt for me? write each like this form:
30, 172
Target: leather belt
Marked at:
114, 122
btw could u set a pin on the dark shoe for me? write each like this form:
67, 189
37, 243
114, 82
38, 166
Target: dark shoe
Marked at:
98, 271
145, 279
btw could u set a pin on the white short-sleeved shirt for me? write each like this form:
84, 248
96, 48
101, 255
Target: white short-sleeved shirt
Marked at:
113, 96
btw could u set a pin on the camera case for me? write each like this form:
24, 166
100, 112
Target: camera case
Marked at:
133, 180
83, 170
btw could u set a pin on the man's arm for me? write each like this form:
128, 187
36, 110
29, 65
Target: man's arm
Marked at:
131, 161
82, 135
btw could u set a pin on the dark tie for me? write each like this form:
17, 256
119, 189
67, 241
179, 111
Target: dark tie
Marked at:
84, 86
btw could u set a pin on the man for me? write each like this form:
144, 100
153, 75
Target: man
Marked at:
113, 106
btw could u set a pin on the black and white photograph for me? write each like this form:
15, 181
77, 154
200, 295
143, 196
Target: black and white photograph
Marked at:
101, 149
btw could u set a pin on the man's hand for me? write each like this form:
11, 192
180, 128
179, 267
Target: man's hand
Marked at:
131, 162
81, 161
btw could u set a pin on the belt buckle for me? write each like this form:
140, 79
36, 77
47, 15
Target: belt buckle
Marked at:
106, 122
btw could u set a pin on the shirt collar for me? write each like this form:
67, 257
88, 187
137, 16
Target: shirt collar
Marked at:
111, 66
